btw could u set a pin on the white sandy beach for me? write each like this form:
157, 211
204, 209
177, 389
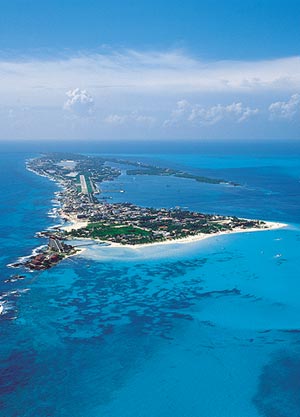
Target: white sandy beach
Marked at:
202, 236
76, 224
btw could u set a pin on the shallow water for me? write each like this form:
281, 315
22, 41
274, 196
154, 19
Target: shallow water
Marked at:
208, 329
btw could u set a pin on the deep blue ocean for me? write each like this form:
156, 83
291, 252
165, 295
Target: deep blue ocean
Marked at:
206, 329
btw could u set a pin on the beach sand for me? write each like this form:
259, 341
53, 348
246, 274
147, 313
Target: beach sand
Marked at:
202, 236
76, 224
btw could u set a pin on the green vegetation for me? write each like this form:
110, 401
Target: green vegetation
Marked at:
173, 172
114, 232
129, 234
88, 183
126, 223
99, 229
199, 178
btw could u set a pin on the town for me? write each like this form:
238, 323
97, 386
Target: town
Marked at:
91, 217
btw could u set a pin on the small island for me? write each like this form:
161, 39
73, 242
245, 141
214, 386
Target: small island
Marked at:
147, 169
90, 217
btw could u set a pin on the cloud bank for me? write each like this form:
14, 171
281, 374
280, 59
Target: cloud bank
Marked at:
197, 114
148, 71
132, 92
134, 117
286, 109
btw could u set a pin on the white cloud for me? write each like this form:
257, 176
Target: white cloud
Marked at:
286, 109
182, 108
115, 119
170, 71
186, 112
79, 102
131, 118
112, 85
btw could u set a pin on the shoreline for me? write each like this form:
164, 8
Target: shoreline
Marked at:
189, 239
75, 224
199, 237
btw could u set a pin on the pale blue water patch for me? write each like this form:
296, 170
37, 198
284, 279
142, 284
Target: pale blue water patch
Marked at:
258, 257
240, 317
208, 329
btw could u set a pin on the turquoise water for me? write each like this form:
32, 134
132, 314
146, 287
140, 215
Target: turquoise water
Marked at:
203, 329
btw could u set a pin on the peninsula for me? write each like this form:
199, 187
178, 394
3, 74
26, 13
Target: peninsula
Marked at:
90, 217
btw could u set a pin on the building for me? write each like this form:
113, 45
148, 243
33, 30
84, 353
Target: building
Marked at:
55, 245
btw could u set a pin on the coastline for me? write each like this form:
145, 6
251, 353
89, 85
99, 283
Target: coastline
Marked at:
76, 224
202, 236
189, 239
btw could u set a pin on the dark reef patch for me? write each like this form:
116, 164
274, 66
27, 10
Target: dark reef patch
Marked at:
279, 387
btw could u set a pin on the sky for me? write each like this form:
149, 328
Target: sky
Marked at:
150, 70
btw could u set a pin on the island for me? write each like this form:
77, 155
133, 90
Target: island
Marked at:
88, 216
142, 168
